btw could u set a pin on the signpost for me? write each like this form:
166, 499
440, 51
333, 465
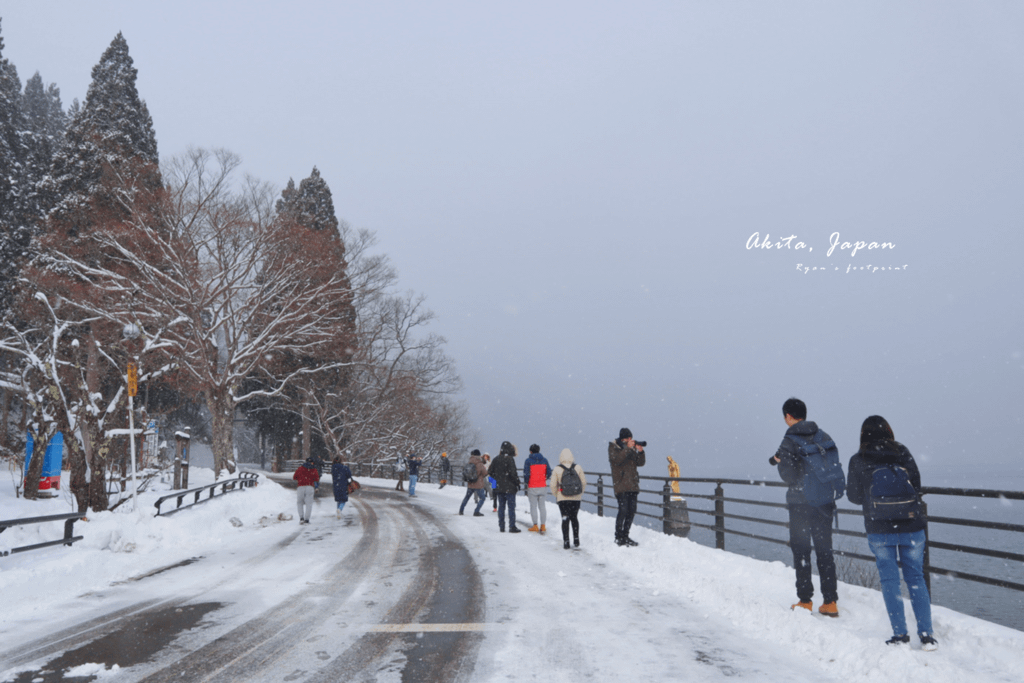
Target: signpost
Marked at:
133, 389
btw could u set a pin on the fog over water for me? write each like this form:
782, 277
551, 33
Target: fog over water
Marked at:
577, 189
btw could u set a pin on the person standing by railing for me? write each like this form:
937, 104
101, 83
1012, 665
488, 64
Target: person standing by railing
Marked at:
568, 500
884, 480
625, 455
536, 472
506, 474
809, 520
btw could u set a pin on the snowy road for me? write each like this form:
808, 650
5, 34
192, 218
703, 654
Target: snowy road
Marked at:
404, 589
354, 587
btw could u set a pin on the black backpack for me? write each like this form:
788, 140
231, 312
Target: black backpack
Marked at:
891, 496
572, 485
470, 473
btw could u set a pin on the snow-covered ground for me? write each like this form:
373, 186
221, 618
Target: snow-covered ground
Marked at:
666, 610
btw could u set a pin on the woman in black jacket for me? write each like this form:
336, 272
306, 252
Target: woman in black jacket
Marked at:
883, 478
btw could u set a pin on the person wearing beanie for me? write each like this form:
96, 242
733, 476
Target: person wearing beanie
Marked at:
883, 478
536, 472
808, 521
446, 469
568, 505
625, 455
506, 477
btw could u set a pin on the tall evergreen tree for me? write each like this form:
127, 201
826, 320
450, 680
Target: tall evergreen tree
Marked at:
13, 233
110, 144
308, 214
105, 176
46, 124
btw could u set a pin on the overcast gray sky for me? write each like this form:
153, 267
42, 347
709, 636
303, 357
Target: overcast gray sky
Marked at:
574, 185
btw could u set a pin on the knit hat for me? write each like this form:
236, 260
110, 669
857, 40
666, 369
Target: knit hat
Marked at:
625, 434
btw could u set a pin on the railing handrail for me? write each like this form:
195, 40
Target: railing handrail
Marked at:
598, 498
69, 520
244, 480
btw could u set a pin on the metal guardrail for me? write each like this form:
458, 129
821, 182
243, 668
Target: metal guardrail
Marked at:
242, 481
69, 530
720, 515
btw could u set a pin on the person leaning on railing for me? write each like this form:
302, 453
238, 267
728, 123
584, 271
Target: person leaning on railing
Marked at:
883, 478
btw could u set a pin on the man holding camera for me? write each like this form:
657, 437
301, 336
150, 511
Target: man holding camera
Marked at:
625, 455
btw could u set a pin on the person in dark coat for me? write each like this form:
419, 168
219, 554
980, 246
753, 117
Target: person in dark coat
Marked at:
414, 461
807, 522
341, 476
625, 455
506, 477
446, 470
895, 539
478, 487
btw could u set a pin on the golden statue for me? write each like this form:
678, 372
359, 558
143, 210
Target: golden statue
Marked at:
673, 471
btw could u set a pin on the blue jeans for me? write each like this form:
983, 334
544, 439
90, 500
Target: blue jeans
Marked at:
509, 500
412, 484
908, 548
480, 498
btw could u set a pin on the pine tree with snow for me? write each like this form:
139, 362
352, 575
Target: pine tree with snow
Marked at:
307, 212
104, 177
46, 124
13, 233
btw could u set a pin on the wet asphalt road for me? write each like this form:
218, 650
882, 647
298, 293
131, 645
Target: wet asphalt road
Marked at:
359, 619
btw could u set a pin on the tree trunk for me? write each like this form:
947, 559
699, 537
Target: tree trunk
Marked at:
222, 408
35, 467
307, 426
5, 417
98, 498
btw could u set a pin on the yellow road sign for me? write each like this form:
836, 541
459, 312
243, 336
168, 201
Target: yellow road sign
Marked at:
133, 380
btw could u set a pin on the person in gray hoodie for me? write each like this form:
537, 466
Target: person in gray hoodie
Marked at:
568, 505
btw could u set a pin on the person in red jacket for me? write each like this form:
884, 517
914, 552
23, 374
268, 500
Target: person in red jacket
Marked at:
308, 478
536, 472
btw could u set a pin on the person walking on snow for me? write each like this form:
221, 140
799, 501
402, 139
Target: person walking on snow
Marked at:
807, 522
625, 455
477, 486
536, 472
307, 478
341, 476
414, 462
506, 477
894, 523
400, 473
446, 470
568, 505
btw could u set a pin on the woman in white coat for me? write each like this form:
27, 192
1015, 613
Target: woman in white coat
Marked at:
568, 502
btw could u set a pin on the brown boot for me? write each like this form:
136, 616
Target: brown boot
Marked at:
829, 609
533, 528
543, 528
809, 606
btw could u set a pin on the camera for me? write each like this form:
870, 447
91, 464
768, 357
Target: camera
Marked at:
642, 444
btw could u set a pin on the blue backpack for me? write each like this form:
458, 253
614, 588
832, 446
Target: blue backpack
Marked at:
891, 495
824, 481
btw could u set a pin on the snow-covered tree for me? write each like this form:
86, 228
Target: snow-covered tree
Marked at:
307, 213
13, 232
46, 124
103, 178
